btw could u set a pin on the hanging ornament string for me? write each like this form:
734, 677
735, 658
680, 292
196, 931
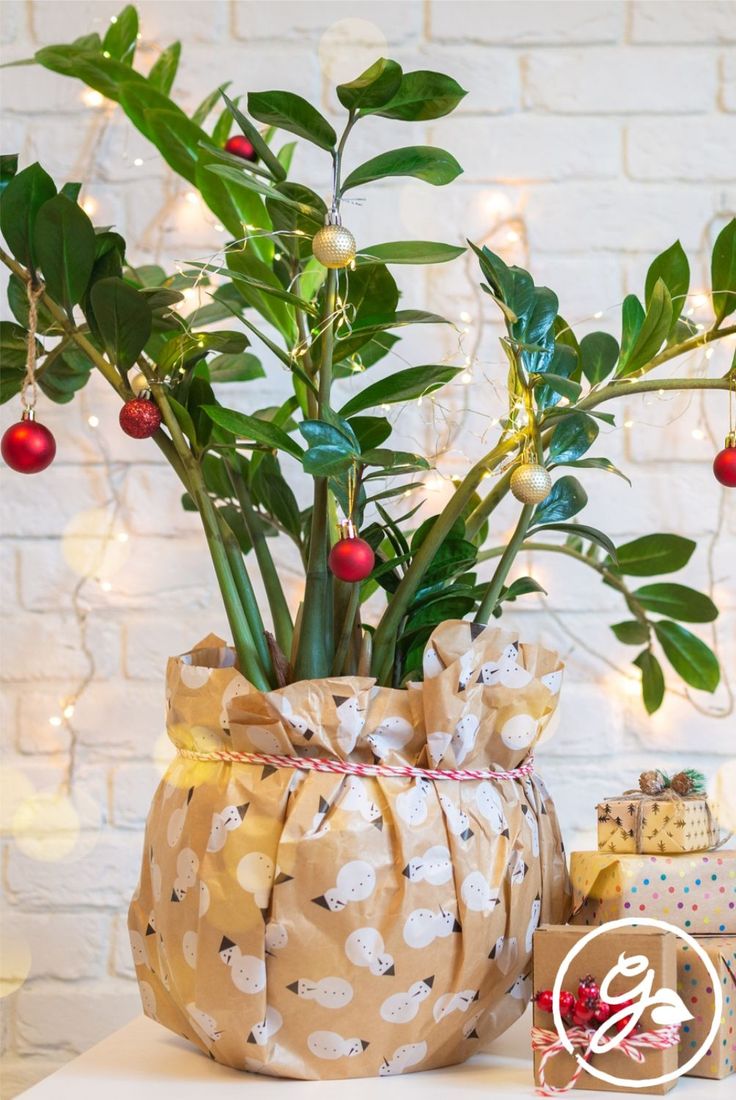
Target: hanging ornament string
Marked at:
724, 464
29, 390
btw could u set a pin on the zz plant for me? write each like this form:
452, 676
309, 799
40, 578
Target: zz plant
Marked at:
98, 311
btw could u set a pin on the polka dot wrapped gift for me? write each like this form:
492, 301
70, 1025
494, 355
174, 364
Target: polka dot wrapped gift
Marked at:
694, 986
695, 891
343, 880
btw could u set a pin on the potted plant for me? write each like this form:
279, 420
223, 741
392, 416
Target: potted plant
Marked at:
343, 785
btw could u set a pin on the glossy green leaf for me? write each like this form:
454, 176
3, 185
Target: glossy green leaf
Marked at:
64, 243
651, 555
522, 586
22, 198
208, 104
691, 658
580, 530
565, 387
253, 429
598, 464
231, 367
288, 111
424, 162
387, 459
163, 71
422, 95
409, 252
723, 272
123, 319
240, 178
652, 680
104, 74
8, 168
632, 318
373, 88
371, 431
261, 289
653, 332
573, 436
566, 499
677, 601
631, 632
120, 38
404, 385
672, 267
177, 139
263, 149
598, 356
67, 373
563, 365
188, 347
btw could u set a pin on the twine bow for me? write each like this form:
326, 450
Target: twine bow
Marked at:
549, 1045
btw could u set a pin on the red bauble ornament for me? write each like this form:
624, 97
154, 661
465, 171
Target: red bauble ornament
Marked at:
724, 464
544, 1000
140, 417
239, 146
567, 1003
351, 558
28, 447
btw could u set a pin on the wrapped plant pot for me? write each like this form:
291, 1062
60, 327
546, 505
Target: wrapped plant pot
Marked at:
343, 880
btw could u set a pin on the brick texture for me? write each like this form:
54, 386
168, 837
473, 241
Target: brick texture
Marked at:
603, 130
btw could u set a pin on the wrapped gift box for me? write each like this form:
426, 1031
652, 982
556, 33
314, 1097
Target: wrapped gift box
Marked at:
635, 822
550, 946
694, 986
695, 891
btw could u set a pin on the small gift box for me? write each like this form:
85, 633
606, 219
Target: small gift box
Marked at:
645, 1051
696, 892
664, 816
694, 984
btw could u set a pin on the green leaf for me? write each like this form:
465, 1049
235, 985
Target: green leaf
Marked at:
123, 318
371, 431
672, 268
177, 139
653, 332
423, 162
422, 95
631, 632
8, 168
260, 288
163, 72
522, 586
566, 499
723, 272
64, 242
240, 178
409, 252
262, 148
231, 367
67, 373
632, 318
290, 112
572, 437
14, 344
598, 464
120, 39
274, 494
651, 555
254, 429
598, 356
404, 385
562, 385
563, 365
373, 88
105, 75
678, 602
188, 347
579, 530
652, 680
691, 659
387, 459
208, 104
22, 199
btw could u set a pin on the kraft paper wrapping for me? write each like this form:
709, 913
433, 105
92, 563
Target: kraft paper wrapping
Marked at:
315, 925
694, 986
695, 891
653, 824
551, 945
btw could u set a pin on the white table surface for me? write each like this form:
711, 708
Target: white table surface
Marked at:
143, 1061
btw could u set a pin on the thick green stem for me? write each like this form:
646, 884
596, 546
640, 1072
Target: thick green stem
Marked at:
247, 599
282, 624
346, 632
313, 659
493, 591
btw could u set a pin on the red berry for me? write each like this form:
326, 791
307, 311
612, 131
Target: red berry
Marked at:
602, 1011
28, 447
239, 146
588, 988
583, 1012
351, 559
724, 466
567, 1003
544, 1000
140, 417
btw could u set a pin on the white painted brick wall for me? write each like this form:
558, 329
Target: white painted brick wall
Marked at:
608, 129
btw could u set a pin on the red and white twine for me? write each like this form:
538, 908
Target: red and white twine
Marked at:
549, 1044
348, 767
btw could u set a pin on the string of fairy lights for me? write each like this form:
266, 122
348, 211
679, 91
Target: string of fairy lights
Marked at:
445, 422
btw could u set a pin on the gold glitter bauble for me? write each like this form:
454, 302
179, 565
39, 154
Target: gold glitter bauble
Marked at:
139, 384
530, 483
334, 246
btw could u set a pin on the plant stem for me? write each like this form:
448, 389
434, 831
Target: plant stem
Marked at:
346, 633
282, 624
247, 598
313, 658
489, 601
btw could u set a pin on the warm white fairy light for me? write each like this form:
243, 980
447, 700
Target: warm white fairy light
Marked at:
697, 433
93, 421
465, 317
512, 236
91, 98
106, 586
699, 300
192, 197
89, 206
55, 721
138, 162
435, 484
68, 710
123, 536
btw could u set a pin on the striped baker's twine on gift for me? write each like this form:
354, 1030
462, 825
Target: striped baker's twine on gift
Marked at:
549, 1044
347, 767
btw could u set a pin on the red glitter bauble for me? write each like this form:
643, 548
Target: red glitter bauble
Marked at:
239, 146
724, 466
140, 417
351, 559
28, 447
